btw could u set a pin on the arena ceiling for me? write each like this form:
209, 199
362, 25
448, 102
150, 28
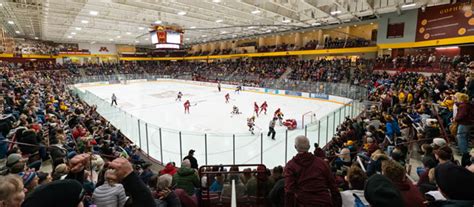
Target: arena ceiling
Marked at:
127, 21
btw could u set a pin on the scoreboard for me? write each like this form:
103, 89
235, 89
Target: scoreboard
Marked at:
167, 37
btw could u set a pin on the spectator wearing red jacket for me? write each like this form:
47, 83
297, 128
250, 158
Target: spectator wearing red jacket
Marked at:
308, 179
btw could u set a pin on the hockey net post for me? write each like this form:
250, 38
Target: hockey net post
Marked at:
308, 118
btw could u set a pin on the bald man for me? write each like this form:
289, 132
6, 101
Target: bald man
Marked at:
308, 179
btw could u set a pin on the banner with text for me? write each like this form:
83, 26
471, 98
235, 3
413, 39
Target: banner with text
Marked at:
445, 21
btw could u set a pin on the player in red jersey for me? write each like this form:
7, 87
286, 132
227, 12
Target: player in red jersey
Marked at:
255, 108
263, 108
187, 104
277, 112
227, 97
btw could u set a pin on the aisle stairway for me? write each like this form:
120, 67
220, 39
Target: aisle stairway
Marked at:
286, 73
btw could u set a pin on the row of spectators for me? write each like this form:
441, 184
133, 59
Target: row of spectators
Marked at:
366, 162
424, 61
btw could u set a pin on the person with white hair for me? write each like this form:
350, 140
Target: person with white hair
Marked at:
308, 179
166, 196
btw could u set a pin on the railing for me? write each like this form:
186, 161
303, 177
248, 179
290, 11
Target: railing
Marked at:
168, 145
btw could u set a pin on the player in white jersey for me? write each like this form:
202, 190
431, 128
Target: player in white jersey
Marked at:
178, 98
235, 110
251, 124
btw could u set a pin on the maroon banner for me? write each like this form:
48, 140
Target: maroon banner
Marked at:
445, 21
395, 30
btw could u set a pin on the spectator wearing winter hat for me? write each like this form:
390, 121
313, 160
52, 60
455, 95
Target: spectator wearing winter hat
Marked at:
379, 191
60, 193
11, 191
30, 180
186, 178
396, 173
192, 159
15, 163
111, 193
455, 183
356, 179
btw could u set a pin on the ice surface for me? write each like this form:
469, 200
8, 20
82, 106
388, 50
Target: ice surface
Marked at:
155, 103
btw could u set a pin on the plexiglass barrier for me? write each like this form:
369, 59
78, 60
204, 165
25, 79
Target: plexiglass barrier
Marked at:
171, 145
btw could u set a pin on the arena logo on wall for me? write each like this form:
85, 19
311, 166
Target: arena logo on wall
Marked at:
445, 21
319, 95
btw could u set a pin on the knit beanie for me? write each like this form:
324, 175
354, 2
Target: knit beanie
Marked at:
455, 181
59, 193
380, 192
27, 177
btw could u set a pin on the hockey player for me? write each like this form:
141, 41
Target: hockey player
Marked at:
263, 108
178, 98
227, 97
219, 86
251, 124
114, 99
255, 108
238, 89
187, 104
235, 110
279, 116
277, 112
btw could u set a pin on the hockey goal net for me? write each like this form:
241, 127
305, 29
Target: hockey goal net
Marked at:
308, 118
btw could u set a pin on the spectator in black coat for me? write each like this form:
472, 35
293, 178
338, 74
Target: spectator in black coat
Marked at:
190, 157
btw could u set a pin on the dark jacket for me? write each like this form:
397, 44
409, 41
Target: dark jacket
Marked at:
309, 182
186, 179
410, 194
138, 191
278, 193
465, 115
452, 203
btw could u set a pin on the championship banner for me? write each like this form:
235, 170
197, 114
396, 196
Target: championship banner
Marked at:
446, 21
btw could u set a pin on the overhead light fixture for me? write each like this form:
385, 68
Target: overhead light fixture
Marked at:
251, 27
187, 39
223, 32
11, 22
93, 13
340, 27
371, 23
69, 36
355, 25
111, 39
136, 41
93, 42
203, 35
147, 38
73, 33
447, 48
182, 13
316, 24
336, 12
286, 21
1, 4
36, 38
18, 32
219, 20
408, 5
216, 1
193, 27
269, 30
84, 21
78, 28
118, 37
256, 11
141, 28
158, 22
128, 33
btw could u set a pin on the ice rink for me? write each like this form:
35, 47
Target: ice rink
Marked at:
155, 103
